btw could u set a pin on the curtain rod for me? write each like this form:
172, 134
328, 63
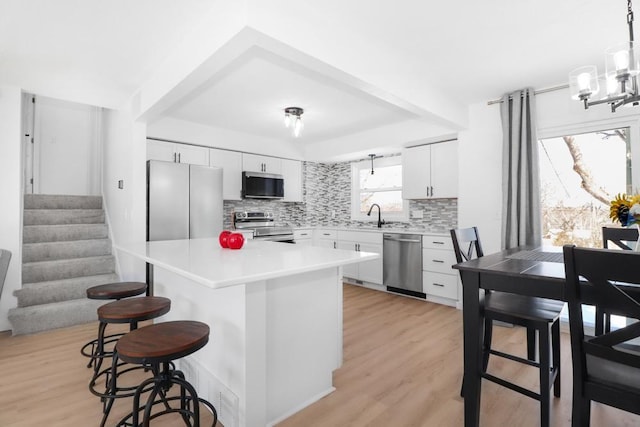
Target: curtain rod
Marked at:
535, 92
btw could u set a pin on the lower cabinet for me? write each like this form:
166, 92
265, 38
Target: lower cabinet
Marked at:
438, 278
325, 238
362, 241
303, 236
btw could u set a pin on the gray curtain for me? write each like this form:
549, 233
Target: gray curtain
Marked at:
521, 224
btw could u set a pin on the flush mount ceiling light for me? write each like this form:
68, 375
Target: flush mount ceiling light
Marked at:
622, 65
293, 120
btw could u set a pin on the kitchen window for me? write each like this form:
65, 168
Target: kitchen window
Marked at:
383, 187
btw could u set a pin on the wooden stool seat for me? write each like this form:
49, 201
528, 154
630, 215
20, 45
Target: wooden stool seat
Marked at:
134, 309
156, 347
117, 290
163, 342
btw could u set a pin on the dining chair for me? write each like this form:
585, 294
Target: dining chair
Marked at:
606, 368
620, 238
539, 315
5, 257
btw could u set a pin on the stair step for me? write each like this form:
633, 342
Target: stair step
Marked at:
60, 290
44, 271
38, 318
66, 232
57, 201
63, 216
33, 252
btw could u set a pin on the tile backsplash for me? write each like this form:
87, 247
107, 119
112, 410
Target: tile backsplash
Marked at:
327, 202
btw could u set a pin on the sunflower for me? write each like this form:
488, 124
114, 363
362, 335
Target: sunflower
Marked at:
625, 209
619, 210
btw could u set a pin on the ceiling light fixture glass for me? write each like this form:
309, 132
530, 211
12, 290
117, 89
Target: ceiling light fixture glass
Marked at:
622, 65
293, 120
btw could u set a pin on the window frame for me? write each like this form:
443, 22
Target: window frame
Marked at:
356, 167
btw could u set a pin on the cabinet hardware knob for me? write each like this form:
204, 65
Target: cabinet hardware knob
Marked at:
438, 243
438, 284
437, 260
179, 157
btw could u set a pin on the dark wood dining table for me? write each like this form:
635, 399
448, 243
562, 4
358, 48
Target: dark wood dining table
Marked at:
523, 270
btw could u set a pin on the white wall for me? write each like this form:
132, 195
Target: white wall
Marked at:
480, 179
67, 156
124, 157
10, 194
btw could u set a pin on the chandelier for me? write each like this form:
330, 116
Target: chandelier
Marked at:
622, 65
293, 120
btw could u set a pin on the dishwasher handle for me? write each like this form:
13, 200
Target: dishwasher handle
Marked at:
392, 239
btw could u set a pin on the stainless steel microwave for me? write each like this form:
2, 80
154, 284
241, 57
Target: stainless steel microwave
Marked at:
259, 185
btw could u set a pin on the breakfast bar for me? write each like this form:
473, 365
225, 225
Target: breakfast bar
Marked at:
275, 313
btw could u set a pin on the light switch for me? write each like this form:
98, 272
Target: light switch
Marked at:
417, 214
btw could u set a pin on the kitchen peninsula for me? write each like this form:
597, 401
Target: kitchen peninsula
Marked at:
275, 313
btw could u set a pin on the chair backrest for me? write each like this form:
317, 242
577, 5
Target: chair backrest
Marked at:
466, 243
618, 236
605, 277
5, 257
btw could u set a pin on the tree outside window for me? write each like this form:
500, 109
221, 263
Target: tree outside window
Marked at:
579, 175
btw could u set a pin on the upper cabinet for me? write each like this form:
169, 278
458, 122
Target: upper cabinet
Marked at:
231, 164
292, 175
430, 171
256, 163
177, 153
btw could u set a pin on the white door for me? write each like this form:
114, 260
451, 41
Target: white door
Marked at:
231, 164
371, 271
416, 172
161, 150
66, 152
192, 154
292, 175
444, 170
349, 270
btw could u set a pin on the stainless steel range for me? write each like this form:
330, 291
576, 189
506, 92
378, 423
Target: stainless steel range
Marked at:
263, 225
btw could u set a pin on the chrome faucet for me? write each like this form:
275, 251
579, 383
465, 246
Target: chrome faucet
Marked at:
380, 221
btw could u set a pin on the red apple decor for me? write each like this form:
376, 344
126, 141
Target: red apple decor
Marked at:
223, 238
235, 240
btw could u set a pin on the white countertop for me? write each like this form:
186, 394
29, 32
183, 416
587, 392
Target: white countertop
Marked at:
205, 262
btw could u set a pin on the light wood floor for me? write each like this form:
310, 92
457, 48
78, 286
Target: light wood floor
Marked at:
402, 367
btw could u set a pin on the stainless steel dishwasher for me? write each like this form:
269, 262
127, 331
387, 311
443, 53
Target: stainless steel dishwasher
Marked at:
402, 263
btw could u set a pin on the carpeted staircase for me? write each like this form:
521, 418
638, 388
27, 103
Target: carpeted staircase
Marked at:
65, 250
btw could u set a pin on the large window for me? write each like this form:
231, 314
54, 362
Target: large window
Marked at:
579, 175
383, 187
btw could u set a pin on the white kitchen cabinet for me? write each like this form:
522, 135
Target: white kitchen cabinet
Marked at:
430, 171
439, 280
177, 153
256, 163
303, 236
292, 175
362, 241
231, 164
325, 238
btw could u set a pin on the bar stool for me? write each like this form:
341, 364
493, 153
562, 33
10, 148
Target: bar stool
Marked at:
131, 311
156, 347
110, 291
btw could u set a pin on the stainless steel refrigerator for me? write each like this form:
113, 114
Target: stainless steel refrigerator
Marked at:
183, 201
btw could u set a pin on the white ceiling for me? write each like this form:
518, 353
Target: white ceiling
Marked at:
251, 94
473, 51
